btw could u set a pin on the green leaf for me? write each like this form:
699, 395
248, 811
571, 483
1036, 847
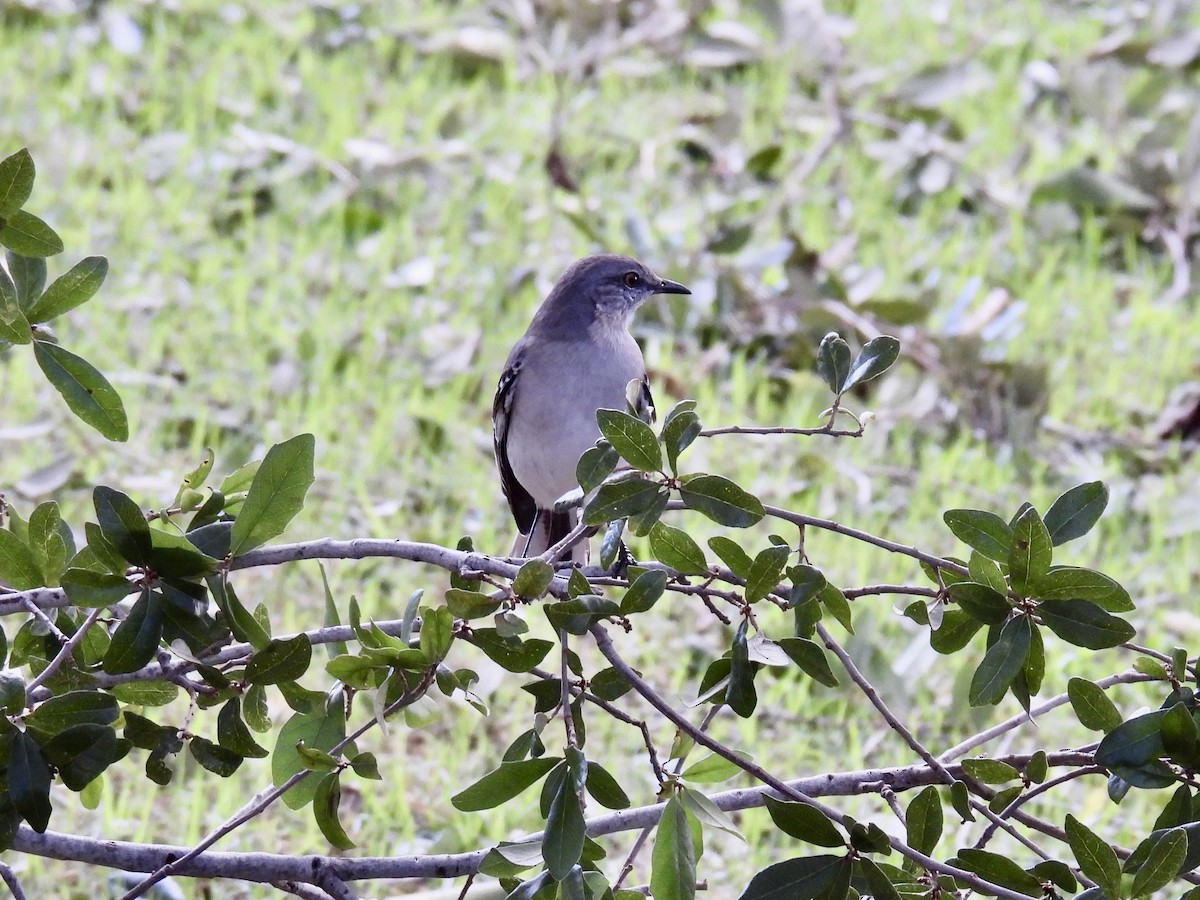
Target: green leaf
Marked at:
1001, 663
576, 616
16, 181
604, 788
675, 548
1084, 624
1071, 583
503, 783
923, 820
596, 464
803, 878
326, 799
1029, 560
80, 753
810, 658
982, 531
835, 601
12, 691
673, 859
28, 276
1179, 736
319, 730
1163, 863
721, 500
135, 641
680, 428
562, 844
213, 757
123, 525
1074, 513
73, 708
1092, 707
980, 602
29, 780
276, 494
987, 571
280, 660
17, 565
878, 883
644, 592
989, 771
174, 556
46, 542
1133, 743
14, 327
86, 392
469, 605
740, 694
1095, 857
804, 822
833, 361
71, 289
26, 234
875, 358
155, 692
512, 654
960, 799
91, 589
712, 769
620, 500
999, 870
765, 572
632, 438
732, 554
437, 633
532, 579
232, 733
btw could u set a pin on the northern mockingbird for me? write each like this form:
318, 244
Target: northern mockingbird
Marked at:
576, 357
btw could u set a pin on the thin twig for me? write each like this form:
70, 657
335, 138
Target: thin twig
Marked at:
745, 429
64, 652
10, 879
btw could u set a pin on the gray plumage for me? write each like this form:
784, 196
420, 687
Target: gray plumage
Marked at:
577, 356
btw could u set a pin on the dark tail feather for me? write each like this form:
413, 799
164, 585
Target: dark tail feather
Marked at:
550, 528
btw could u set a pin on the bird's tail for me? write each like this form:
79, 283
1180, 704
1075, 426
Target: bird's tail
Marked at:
548, 529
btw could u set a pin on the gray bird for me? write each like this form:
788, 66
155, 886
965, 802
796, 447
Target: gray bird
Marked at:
576, 357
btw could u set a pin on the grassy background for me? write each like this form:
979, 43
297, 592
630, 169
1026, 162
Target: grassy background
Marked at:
337, 219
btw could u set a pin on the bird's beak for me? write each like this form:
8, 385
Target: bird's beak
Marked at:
670, 287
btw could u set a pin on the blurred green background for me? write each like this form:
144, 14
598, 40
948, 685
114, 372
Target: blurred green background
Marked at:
337, 218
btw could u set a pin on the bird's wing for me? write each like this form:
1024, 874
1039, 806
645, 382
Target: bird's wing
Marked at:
523, 507
640, 400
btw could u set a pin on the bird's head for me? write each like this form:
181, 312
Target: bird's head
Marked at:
607, 287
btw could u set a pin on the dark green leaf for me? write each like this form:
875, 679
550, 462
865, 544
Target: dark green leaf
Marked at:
17, 565
833, 361
318, 730
232, 733
604, 788
835, 601
123, 525
596, 464
26, 234
562, 843
999, 870
721, 500
803, 878
280, 660
739, 693
732, 554
680, 429
245, 627
91, 589
1074, 513
878, 883
1095, 857
810, 658
14, 327
1092, 707
1001, 663
1179, 737
980, 602
28, 276
512, 654
1071, 583
215, 758
82, 752
960, 799
675, 548
1029, 560
982, 531
135, 641
987, 571
609, 684
87, 393
16, 181
502, 784
807, 583
12, 692
73, 708
174, 556
276, 493
326, 799
1133, 743
765, 572
1084, 624
875, 358
632, 438
29, 780
469, 605
1037, 768
989, 771
804, 822
1056, 872
532, 579
1162, 864
75, 287
620, 500
644, 592
923, 820
673, 859
576, 616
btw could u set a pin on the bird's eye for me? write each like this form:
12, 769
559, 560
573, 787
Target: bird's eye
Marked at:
632, 279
